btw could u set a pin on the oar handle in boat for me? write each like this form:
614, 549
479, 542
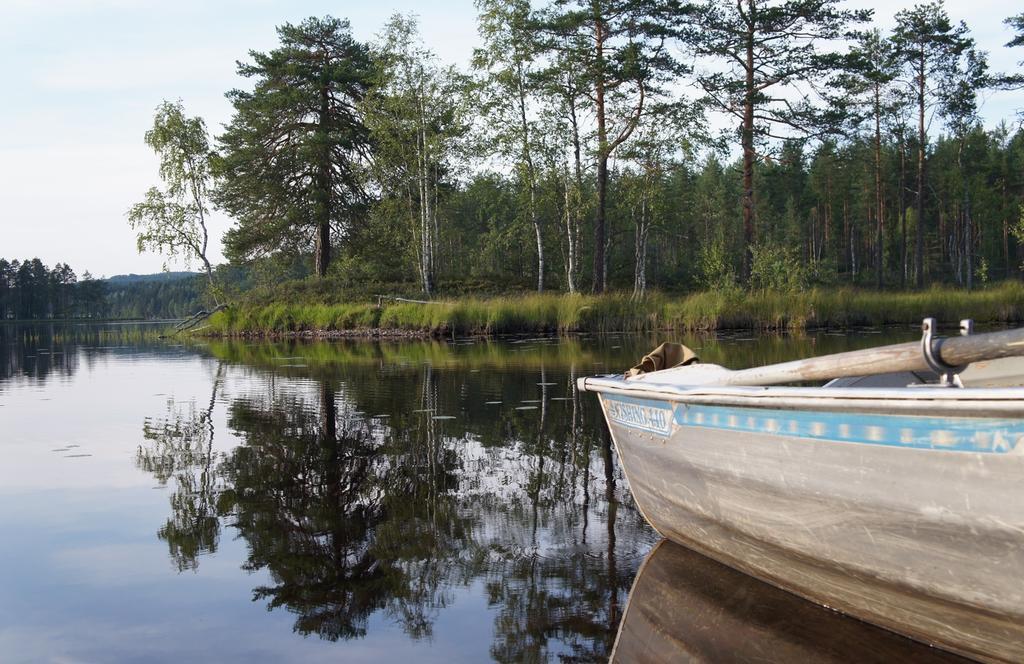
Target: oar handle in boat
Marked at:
953, 351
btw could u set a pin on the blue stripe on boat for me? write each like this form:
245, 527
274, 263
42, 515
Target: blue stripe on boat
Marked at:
996, 436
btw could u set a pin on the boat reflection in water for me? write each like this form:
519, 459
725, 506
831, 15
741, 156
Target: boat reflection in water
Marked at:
687, 607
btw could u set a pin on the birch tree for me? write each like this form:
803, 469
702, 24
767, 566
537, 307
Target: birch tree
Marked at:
506, 62
563, 89
650, 157
172, 220
620, 48
415, 114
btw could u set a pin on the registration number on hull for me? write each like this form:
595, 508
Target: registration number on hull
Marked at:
637, 414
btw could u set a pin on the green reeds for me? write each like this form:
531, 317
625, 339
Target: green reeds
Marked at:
571, 313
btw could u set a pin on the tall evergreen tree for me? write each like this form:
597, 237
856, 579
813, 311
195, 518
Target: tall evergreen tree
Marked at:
1016, 81
966, 77
763, 60
928, 44
292, 154
872, 69
899, 127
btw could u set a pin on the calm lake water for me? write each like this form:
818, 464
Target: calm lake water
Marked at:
423, 501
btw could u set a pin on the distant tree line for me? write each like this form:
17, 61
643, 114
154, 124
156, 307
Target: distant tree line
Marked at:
30, 290
575, 153
169, 298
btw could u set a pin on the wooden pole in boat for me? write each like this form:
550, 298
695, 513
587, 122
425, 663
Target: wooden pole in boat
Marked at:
953, 352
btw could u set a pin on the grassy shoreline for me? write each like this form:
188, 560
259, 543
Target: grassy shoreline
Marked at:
571, 314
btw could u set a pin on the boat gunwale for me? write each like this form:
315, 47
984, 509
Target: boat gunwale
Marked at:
964, 402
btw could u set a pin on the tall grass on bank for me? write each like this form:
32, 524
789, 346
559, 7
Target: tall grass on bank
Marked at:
566, 314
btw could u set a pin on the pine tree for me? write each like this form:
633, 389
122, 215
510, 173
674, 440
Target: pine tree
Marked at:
292, 156
966, 76
764, 58
871, 69
928, 44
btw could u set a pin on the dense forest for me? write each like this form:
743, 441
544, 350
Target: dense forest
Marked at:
579, 151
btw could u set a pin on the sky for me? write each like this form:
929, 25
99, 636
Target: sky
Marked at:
81, 79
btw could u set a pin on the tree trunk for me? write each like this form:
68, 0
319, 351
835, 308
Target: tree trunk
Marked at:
427, 223
424, 228
435, 230
903, 213
570, 262
322, 257
540, 239
640, 250
531, 175
323, 248
574, 236
1006, 234
966, 217
848, 230
826, 235
747, 140
600, 232
879, 204
919, 204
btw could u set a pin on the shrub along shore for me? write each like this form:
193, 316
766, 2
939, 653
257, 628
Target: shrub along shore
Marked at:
570, 314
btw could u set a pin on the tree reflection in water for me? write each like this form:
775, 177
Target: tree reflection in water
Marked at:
180, 447
352, 515
347, 520
42, 350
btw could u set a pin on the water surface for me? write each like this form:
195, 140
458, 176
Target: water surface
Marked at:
439, 501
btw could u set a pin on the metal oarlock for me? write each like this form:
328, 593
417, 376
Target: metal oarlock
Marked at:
949, 375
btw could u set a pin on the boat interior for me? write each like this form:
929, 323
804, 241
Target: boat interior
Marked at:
1004, 372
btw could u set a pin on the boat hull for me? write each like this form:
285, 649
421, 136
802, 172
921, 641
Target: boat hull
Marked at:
908, 521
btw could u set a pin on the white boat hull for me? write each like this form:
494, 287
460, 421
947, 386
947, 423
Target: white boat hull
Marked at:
908, 519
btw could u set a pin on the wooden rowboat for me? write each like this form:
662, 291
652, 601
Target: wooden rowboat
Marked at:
902, 506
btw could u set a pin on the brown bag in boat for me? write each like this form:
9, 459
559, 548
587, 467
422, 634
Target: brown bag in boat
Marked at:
665, 356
